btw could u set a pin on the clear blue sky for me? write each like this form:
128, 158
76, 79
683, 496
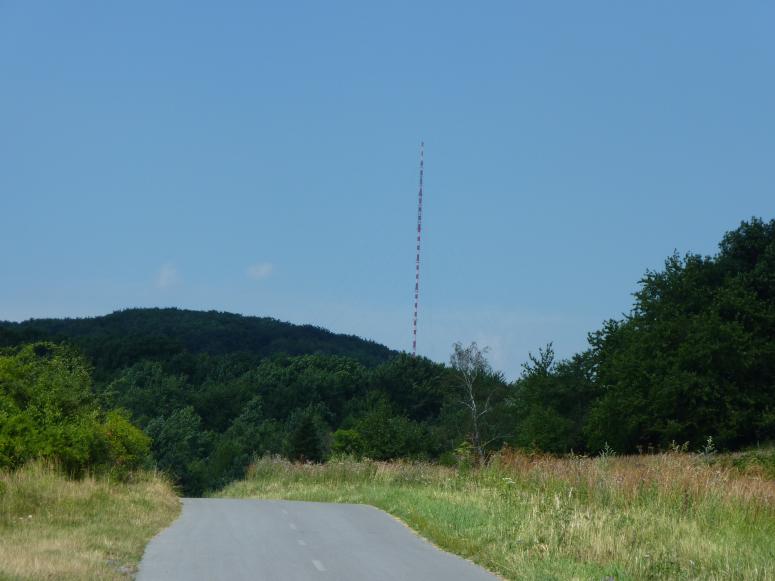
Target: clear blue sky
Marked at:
262, 158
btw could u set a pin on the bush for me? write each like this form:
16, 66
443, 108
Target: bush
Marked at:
127, 446
348, 442
386, 436
48, 410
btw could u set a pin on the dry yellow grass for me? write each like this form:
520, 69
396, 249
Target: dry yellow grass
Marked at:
627, 477
52, 527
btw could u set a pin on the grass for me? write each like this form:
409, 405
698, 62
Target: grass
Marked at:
52, 527
666, 516
754, 462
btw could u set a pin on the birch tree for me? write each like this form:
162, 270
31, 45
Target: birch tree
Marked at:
473, 373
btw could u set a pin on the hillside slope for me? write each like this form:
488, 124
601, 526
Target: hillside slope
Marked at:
211, 389
122, 338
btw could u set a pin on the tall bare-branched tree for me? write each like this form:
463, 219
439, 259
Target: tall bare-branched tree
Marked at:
473, 373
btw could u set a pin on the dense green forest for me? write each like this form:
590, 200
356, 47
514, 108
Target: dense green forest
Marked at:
694, 358
125, 337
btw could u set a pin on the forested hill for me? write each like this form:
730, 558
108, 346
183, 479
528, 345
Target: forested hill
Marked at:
210, 389
692, 364
124, 337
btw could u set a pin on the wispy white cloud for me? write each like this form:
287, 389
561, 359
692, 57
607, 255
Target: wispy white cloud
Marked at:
260, 270
168, 276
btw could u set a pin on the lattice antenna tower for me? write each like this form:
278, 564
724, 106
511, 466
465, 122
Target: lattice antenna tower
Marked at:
417, 260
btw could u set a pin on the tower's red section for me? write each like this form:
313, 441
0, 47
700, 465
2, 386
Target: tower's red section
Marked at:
417, 260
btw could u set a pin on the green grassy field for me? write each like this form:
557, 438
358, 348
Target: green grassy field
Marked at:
666, 516
55, 528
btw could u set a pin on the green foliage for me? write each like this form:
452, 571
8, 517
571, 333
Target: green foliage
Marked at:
414, 384
250, 435
383, 434
179, 447
348, 443
293, 383
551, 402
213, 390
123, 338
47, 410
695, 356
128, 447
306, 442
147, 390
253, 432
709, 449
759, 462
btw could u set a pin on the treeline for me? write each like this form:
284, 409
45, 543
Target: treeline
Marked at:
694, 358
207, 424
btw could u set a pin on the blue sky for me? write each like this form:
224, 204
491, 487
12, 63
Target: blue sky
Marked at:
261, 158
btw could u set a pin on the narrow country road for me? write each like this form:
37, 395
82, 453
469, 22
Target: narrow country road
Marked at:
274, 540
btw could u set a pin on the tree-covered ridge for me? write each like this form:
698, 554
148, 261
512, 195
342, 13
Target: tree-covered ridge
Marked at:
124, 337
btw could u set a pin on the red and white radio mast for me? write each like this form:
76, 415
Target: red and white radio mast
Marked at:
417, 261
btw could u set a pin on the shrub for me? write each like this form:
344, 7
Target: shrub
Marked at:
48, 410
348, 442
127, 446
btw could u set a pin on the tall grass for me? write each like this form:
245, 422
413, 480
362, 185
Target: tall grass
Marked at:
667, 516
52, 527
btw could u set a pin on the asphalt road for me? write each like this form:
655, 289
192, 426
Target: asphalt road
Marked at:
275, 540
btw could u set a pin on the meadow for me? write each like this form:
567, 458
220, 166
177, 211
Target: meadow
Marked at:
53, 527
672, 515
